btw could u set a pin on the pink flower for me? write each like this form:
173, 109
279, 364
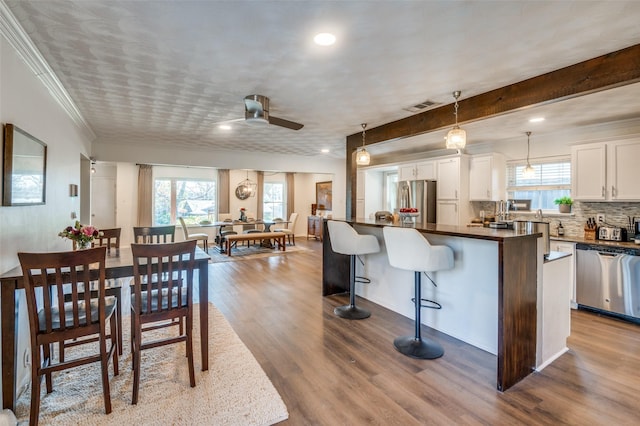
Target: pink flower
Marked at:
89, 231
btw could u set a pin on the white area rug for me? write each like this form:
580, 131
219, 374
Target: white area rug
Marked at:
235, 390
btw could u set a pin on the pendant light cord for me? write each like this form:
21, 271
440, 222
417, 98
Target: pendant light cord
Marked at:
364, 126
528, 134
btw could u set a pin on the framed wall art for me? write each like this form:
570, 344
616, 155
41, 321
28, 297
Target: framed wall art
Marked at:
24, 168
323, 195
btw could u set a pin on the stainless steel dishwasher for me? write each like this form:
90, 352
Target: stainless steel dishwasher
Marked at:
608, 279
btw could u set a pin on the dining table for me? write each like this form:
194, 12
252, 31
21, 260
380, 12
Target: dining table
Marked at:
266, 223
117, 266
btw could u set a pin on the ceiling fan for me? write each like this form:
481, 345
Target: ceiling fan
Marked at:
256, 113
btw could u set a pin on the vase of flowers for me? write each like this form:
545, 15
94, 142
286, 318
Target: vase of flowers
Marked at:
81, 235
243, 215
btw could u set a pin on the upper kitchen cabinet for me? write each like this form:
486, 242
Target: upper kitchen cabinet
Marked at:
487, 177
453, 190
425, 170
453, 178
605, 171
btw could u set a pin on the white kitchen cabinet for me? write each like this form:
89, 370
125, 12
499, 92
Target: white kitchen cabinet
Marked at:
448, 179
605, 171
453, 191
487, 177
447, 213
425, 170
568, 247
553, 311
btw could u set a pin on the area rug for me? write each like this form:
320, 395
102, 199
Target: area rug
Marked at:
235, 390
243, 252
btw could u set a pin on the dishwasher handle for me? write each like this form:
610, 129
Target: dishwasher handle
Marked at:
604, 253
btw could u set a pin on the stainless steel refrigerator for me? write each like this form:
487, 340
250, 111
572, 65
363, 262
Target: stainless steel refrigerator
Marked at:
420, 194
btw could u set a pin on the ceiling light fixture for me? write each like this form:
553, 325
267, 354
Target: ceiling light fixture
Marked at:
456, 138
536, 120
93, 164
224, 127
246, 188
362, 156
528, 172
324, 39
324, 151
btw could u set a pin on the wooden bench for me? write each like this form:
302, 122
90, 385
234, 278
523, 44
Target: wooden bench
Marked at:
278, 237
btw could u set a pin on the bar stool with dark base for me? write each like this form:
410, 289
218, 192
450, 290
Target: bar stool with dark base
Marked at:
408, 249
345, 240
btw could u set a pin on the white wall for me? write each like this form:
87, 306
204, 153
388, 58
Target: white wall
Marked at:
26, 103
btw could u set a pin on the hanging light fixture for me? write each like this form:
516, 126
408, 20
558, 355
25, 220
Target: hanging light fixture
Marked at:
528, 172
93, 164
362, 156
456, 138
246, 189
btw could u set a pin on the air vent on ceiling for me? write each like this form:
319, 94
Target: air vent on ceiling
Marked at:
421, 106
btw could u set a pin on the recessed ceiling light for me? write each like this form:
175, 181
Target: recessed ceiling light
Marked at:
324, 150
536, 120
224, 127
324, 39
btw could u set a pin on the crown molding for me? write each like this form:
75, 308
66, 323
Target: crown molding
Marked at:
13, 32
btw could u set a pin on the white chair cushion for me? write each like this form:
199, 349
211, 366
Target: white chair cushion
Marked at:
345, 239
409, 249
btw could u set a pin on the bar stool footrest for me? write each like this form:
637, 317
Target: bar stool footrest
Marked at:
418, 348
433, 304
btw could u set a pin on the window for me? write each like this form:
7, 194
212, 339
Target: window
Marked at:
552, 179
193, 199
273, 202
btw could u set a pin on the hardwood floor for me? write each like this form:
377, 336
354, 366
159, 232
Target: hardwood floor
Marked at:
332, 371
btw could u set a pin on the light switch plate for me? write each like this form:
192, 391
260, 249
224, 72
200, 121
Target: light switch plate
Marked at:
600, 218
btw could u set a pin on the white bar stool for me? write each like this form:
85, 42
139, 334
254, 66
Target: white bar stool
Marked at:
408, 249
345, 240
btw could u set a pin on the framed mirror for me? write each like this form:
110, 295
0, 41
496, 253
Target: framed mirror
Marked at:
24, 168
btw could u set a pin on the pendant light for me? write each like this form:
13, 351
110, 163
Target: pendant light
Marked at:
456, 138
528, 172
247, 188
362, 156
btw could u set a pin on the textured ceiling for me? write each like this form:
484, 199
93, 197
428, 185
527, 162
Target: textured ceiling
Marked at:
162, 73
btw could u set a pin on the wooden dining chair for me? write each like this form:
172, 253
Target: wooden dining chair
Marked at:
52, 320
109, 238
157, 303
154, 234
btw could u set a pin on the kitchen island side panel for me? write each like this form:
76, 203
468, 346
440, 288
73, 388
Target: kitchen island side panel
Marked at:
517, 314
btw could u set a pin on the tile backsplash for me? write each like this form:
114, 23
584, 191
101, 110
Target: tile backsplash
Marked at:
616, 214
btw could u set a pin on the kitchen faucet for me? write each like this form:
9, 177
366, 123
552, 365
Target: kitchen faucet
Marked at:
539, 214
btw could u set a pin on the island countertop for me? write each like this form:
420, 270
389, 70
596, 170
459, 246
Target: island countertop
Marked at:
477, 232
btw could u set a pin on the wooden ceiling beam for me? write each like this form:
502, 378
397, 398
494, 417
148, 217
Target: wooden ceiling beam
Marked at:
604, 72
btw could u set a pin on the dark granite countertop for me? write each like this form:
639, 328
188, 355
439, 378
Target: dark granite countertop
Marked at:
477, 232
621, 244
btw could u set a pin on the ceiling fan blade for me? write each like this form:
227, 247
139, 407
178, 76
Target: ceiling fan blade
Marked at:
285, 123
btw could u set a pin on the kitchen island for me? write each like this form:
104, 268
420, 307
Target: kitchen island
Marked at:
488, 299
